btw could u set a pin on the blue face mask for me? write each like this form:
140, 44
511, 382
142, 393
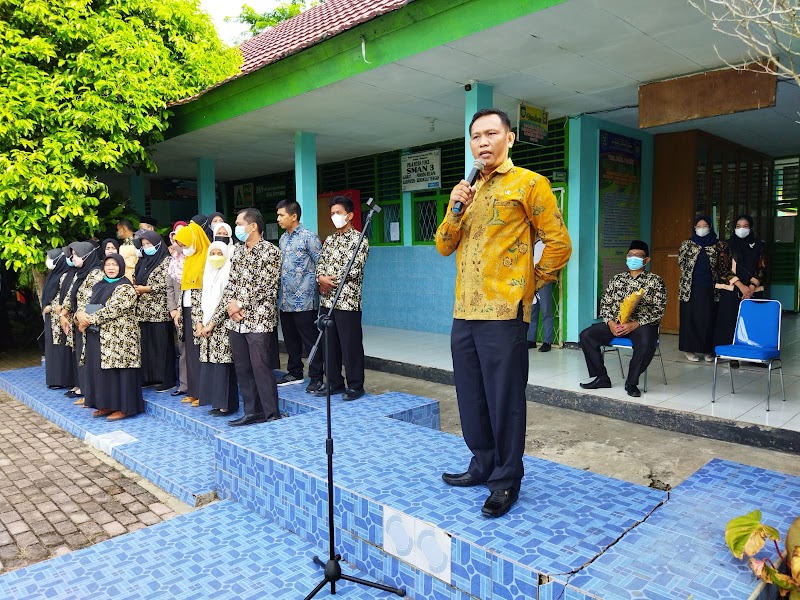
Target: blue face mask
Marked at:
240, 233
151, 250
634, 263
70, 263
109, 280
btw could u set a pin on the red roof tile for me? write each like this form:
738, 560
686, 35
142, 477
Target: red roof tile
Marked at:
305, 30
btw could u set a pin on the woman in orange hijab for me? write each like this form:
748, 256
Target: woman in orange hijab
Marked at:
194, 243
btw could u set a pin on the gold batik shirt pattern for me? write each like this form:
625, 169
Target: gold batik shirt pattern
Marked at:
650, 308
216, 348
253, 282
336, 253
55, 323
687, 258
152, 307
119, 330
493, 241
82, 299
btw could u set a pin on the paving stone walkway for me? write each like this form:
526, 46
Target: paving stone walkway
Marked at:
58, 494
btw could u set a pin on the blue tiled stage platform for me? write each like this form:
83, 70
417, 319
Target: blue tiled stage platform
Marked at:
572, 535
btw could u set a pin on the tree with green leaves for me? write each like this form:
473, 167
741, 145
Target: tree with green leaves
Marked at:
258, 22
85, 87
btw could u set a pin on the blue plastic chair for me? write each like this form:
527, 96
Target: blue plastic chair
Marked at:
621, 343
756, 339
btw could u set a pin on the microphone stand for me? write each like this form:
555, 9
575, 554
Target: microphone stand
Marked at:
332, 568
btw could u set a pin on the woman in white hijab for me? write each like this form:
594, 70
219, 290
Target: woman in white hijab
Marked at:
217, 376
222, 232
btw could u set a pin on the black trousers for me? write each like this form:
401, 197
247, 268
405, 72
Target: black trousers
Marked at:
300, 331
192, 355
347, 342
490, 364
644, 347
251, 359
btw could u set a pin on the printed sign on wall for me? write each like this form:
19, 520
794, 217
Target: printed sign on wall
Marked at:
421, 170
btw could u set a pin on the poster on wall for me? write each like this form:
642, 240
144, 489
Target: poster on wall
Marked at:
421, 170
620, 184
532, 125
243, 195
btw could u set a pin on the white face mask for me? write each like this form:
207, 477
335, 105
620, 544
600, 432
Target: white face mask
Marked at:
50, 264
339, 221
702, 231
189, 251
77, 261
742, 232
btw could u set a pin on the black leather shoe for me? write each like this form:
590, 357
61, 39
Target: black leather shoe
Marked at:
315, 386
178, 393
71, 394
499, 502
597, 383
274, 418
545, 347
531, 345
461, 479
632, 390
322, 394
353, 394
164, 387
247, 420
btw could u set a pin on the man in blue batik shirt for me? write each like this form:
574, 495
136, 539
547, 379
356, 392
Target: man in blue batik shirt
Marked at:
300, 249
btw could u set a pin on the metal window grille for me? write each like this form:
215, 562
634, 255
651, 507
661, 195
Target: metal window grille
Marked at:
426, 215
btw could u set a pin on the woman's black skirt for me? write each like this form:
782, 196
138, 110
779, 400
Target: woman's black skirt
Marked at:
59, 364
726, 316
218, 386
698, 316
192, 356
158, 353
111, 389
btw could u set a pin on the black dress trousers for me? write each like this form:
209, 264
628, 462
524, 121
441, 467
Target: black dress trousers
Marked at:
251, 359
643, 339
300, 331
490, 364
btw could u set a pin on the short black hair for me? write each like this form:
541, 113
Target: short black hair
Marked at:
491, 111
291, 207
126, 223
346, 203
253, 215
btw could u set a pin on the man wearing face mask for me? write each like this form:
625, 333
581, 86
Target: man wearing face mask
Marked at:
347, 342
642, 328
249, 309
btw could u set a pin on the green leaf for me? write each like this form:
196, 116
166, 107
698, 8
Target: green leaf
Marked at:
745, 535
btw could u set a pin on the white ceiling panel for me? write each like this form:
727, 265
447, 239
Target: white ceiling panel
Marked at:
644, 59
454, 64
573, 72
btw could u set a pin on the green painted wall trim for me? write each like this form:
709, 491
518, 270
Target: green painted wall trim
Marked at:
417, 27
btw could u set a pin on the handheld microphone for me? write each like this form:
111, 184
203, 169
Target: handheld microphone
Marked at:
477, 167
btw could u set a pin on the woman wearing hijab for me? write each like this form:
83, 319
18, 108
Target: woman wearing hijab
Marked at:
112, 356
58, 361
174, 301
194, 243
745, 267
109, 246
158, 348
217, 376
701, 269
214, 218
205, 224
222, 232
88, 272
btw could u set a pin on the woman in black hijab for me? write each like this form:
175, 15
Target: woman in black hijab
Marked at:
58, 362
745, 265
84, 255
701, 270
155, 322
205, 223
214, 218
112, 344
108, 247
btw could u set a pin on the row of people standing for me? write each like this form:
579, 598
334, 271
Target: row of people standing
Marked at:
715, 276
220, 299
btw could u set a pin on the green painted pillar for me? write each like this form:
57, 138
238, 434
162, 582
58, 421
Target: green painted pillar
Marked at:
206, 194
407, 220
305, 176
137, 193
480, 95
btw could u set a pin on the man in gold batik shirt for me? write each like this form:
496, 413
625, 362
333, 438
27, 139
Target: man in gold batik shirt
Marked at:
493, 235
